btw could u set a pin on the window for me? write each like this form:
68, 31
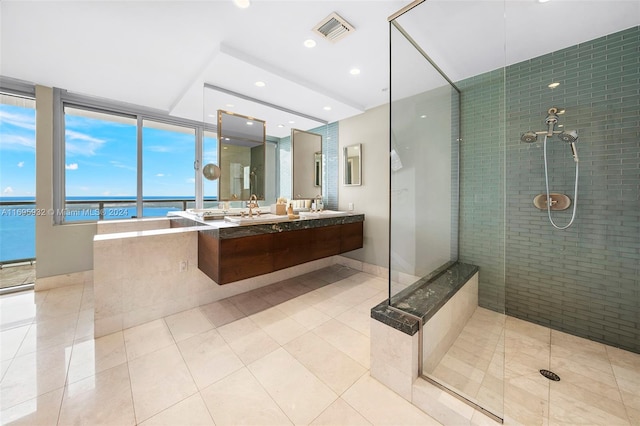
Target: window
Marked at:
168, 179
17, 178
210, 155
118, 161
100, 165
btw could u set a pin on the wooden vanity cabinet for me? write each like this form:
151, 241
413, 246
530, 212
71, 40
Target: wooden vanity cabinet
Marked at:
233, 259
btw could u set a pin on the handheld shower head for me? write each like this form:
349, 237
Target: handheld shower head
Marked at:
570, 136
529, 137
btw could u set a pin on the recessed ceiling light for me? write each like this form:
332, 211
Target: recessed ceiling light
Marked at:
327, 108
260, 83
291, 121
553, 85
249, 123
230, 105
542, 1
309, 43
281, 125
354, 71
242, 4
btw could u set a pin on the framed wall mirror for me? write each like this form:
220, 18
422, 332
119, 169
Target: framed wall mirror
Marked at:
306, 154
352, 158
241, 153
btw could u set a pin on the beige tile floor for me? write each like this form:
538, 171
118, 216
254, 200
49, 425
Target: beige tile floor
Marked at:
296, 352
497, 355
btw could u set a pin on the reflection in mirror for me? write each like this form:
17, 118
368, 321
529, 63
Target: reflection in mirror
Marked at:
241, 150
352, 157
317, 169
307, 164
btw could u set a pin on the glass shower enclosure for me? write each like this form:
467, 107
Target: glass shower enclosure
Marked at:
493, 126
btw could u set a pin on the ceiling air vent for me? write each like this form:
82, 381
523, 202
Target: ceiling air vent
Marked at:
333, 28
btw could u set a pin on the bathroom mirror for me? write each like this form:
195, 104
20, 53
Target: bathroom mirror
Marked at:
241, 150
352, 158
306, 154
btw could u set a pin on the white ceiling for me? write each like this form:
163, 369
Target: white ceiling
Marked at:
159, 54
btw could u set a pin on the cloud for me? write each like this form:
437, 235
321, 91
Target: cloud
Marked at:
119, 165
25, 121
158, 148
72, 166
81, 143
160, 175
17, 142
21, 164
210, 156
8, 190
106, 193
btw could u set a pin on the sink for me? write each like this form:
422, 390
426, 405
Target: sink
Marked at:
255, 220
208, 214
322, 214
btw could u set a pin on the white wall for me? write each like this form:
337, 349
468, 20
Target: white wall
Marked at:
421, 190
371, 129
60, 249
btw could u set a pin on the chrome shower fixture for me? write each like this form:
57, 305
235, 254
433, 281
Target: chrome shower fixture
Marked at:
570, 136
529, 137
551, 120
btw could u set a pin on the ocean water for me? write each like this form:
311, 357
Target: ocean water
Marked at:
17, 233
18, 222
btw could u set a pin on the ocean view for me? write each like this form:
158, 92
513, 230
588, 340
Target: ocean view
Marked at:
18, 221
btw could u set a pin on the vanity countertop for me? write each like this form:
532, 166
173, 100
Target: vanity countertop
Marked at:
223, 229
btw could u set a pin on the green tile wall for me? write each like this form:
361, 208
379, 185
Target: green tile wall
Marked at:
583, 280
481, 232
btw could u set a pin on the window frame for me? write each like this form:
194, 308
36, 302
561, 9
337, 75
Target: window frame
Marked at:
63, 98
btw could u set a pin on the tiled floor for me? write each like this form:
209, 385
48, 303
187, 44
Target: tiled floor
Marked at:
11, 275
296, 352
600, 385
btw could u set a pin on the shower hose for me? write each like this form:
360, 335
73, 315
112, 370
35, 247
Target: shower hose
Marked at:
575, 191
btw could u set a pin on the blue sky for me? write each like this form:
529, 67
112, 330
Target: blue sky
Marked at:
101, 157
17, 151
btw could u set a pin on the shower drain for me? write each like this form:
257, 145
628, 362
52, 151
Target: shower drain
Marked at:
550, 375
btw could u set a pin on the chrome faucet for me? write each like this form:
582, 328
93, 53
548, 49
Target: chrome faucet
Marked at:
318, 202
253, 204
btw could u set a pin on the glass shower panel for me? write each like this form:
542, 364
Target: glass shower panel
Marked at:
447, 190
424, 166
